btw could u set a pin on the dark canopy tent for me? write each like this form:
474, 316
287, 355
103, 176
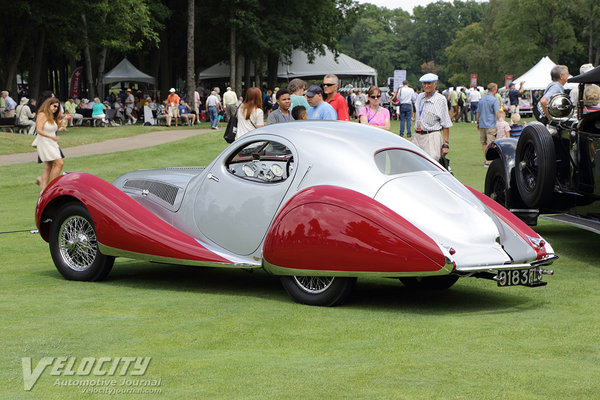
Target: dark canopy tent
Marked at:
126, 72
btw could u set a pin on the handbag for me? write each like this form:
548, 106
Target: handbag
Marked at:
231, 130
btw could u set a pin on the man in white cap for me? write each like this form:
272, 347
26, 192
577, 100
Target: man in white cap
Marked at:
575, 91
432, 122
129, 102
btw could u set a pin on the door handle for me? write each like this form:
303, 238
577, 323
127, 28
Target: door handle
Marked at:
211, 176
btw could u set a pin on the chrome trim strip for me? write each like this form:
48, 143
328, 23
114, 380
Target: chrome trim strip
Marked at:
275, 270
546, 261
111, 251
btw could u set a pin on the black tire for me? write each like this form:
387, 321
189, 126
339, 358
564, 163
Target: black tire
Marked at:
430, 282
495, 182
318, 290
74, 246
535, 166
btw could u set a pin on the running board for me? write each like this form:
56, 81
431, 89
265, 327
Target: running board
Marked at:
580, 222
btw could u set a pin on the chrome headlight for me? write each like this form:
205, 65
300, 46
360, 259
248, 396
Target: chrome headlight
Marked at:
560, 106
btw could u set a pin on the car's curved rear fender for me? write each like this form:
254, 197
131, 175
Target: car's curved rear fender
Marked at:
333, 230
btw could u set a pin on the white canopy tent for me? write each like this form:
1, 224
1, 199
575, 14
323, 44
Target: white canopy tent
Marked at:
126, 72
300, 67
538, 77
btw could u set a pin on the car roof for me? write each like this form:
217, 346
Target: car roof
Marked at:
334, 136
592, 76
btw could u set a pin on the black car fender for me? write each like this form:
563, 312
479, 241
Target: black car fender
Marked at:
505, 150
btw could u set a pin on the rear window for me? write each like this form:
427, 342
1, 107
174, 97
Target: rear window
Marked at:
398, 161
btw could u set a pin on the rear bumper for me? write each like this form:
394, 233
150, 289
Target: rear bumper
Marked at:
483, 268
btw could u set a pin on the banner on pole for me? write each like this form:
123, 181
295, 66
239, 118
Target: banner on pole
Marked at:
508, 80
473, 80
399, 77
75, 85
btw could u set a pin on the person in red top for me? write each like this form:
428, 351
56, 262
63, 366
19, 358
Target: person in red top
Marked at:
172, 103
337, 101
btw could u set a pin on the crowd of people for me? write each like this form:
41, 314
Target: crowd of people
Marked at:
426, 114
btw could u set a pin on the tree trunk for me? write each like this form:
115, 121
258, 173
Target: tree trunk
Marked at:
165, 74
14, 57
232, 52
272, 64
239, 66
89, 73
190, 75
247, 73
35, 71
101, 66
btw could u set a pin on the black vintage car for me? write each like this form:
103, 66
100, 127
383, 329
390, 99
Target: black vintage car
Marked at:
553, 168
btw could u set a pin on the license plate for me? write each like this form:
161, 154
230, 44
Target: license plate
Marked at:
524, 277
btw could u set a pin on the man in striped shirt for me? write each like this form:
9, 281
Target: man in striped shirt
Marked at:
432, 122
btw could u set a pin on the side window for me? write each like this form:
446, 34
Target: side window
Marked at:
263, 161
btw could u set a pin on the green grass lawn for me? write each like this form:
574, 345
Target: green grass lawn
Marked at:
228, 334
11, 143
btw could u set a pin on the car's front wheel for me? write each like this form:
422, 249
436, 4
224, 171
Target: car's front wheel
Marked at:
318, 290
430, 282
74, 246
495, 182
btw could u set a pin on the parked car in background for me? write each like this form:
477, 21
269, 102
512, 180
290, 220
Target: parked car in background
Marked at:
554, 168
317, 203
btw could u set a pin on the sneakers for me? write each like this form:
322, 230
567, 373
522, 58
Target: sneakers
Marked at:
486, 165
134, 121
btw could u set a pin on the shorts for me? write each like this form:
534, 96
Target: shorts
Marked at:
172, 111
487, 135
514, 109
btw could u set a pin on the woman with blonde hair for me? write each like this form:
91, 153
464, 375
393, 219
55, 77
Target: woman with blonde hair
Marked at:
46, 140
250, 114
373, 113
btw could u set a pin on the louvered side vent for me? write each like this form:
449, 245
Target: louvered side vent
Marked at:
186, 169
163, 191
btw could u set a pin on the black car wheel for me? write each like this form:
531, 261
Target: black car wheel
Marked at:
74, 246
495, 182
535, 165
318, 290
430, 282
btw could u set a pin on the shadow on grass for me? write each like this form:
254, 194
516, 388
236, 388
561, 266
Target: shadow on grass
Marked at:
369, 293
571, 241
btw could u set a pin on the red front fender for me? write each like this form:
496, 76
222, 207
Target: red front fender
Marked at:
121, 222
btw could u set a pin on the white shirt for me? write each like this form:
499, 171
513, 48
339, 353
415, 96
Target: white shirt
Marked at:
246, 125
475, 96
405, 95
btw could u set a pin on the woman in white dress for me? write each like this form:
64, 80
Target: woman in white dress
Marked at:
46, 140
250, 114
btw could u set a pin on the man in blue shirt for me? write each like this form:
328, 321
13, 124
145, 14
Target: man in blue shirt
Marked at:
487, 115
513, 96
559, 75
11, 105
319, 109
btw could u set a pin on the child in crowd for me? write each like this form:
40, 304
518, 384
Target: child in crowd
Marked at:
298, 113
502, 127
515, 127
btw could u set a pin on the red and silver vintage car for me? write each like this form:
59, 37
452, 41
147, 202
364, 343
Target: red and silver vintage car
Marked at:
316, 203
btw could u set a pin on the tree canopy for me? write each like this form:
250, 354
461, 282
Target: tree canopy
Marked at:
45, 41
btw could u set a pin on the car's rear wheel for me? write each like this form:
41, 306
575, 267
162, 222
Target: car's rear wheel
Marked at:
430, 282
535, 165
318, 290
74, 246
495, 182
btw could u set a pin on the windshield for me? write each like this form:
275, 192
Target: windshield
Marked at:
398, 161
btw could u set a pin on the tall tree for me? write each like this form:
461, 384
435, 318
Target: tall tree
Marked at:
190, 76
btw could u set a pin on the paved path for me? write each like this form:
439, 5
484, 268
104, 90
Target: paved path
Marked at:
111, 145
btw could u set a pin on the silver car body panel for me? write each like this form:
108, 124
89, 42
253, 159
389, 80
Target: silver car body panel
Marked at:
232, 215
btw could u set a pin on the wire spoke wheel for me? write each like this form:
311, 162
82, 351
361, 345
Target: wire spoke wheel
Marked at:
78, 244
314, 284
74, 245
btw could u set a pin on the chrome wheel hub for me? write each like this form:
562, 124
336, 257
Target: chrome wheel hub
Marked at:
314, 284
77, 243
